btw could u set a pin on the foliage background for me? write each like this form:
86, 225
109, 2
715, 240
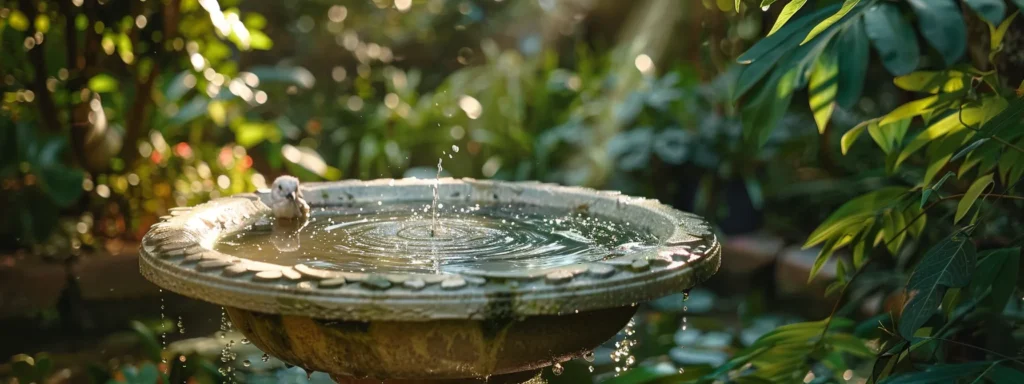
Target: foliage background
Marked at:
751, 113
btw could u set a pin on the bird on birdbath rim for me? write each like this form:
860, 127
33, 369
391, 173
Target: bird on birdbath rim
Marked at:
286, 199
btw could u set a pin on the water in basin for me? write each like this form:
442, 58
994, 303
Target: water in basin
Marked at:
397, 237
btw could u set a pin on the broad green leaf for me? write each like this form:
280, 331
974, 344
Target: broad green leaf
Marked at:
853, 62
851, 136
996, 275
933, 81
992, 11
737, 5
773, 42
854, 212
822, 88
787, 12
948, 264
971, 195
103, 83
942, 25
831, 20
893, 38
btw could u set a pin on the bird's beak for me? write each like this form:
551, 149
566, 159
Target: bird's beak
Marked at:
291, 196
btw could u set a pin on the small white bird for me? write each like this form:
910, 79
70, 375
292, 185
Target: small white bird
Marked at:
286, 199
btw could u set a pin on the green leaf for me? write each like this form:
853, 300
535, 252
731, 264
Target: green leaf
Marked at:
772, 43
853, 62
928, 191
854, 213
851, 136
992, 11
938, 374
822, 88
996, 274
737, 5
889, 136
893, 38
948, 264
910, 109
970, 147
787, 12
288, 75
150, 345
971, 195
942, 25
1009, 116
933, 81
952, 123
831, 20
103, 83
997, 31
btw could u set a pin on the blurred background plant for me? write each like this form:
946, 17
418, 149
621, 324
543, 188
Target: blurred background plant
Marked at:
115, 111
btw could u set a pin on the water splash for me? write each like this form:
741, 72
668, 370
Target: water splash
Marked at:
622, 349
433, 205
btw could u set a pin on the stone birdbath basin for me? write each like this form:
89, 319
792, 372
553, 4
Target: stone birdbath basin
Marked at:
365, 295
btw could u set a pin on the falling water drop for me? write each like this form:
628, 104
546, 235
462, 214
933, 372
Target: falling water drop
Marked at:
265, 358
557, 369
181, 326
455, 148
591, 369
589, 356
246, 363
245, 341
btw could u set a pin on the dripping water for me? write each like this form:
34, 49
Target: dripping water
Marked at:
163, 333
557, 369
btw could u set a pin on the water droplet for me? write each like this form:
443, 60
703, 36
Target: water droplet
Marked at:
589, 356
590, 368
455, 148
265, 358
557, 369
246, 363
245, 341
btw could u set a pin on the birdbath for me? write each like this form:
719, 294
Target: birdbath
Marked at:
510, 278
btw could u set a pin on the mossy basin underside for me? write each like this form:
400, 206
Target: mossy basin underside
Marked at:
526, 275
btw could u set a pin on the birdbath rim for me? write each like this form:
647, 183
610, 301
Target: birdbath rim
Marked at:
178, 254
